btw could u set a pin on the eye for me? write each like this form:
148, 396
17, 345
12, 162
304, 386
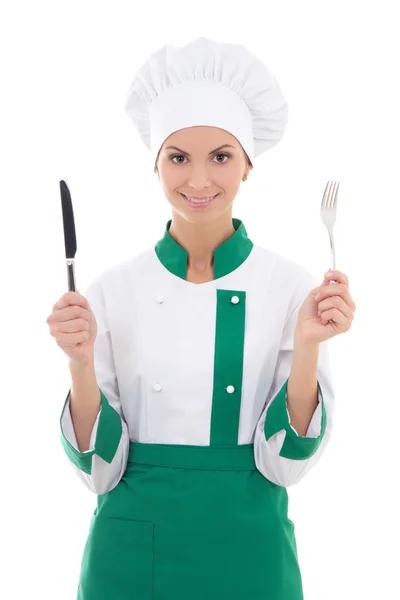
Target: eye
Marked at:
225, 155
182, 156
176, 156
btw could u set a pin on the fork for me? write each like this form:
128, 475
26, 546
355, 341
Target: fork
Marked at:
328, 216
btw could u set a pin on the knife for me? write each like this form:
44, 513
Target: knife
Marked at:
69, 233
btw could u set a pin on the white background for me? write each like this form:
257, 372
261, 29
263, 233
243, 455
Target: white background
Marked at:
65, 71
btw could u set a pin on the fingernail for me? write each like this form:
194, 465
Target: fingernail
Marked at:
329, 273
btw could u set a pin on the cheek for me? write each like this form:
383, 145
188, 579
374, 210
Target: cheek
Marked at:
228, 177
170, 178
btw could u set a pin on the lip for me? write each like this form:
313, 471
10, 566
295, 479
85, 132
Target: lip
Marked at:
200, 205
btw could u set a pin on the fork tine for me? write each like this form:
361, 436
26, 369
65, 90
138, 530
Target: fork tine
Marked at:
326, 192
330, 194
336, 195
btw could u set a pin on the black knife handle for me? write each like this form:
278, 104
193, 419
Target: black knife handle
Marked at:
71, 275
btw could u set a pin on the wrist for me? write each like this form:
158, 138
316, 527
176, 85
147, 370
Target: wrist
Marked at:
300, 342
77, 366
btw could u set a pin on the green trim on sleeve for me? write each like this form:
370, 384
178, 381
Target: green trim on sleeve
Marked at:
108, 436
295, 446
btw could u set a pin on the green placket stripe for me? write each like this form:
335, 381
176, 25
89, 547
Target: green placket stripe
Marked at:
228, 367
295, 446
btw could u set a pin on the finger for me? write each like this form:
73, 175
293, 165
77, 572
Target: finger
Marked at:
337, 289
338, 276
74, 325
70, 326
72, 312
335, 315
69, 298
335, 302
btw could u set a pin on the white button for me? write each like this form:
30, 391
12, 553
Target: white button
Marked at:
160, 299
157, 387
234, 299
230, 389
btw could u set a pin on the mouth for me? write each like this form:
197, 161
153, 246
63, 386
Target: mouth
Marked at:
200, 203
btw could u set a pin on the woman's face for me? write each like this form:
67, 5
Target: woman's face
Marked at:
193, 167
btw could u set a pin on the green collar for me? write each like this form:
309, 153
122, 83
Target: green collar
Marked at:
227, 257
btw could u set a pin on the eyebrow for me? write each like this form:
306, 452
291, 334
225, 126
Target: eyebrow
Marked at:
212, 151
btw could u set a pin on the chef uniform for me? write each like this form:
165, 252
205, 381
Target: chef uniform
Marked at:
192, 449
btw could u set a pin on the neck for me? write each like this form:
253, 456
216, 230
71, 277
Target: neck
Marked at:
201, 239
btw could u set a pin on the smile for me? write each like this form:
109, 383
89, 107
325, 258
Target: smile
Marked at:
198, 202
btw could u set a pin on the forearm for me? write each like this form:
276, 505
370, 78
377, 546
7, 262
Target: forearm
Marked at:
302, 388
85, 402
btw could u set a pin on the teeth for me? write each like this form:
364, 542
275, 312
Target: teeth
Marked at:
200, 201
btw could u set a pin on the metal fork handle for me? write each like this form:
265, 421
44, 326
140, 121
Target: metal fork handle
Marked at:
333, 256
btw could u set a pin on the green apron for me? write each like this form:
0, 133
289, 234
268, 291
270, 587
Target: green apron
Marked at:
191, 523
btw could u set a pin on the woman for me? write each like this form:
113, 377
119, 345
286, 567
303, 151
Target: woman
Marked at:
214, 393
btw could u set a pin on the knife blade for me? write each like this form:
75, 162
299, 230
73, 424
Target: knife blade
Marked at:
69, 233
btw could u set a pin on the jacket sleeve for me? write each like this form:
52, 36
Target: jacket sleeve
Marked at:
102, 466
281, 454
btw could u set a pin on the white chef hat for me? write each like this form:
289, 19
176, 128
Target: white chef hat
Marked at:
207, 83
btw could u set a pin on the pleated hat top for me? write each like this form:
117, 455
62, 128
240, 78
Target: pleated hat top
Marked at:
207, 83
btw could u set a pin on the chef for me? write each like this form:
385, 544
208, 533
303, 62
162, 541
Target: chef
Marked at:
214, 378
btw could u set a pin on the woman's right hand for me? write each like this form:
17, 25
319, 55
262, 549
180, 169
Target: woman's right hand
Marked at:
74, 327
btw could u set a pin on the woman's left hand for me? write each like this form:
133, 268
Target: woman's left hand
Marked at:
335, 303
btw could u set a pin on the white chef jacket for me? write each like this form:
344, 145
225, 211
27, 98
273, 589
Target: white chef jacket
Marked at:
155, 359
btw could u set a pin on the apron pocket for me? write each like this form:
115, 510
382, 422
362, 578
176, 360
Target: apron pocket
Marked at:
117, 560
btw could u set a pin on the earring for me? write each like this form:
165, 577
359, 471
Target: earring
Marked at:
244, 178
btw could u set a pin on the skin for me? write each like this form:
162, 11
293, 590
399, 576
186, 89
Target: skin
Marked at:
200, 231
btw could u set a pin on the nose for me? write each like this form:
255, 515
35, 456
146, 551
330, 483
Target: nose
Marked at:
199, 179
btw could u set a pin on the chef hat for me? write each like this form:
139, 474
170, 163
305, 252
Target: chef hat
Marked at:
207, 83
